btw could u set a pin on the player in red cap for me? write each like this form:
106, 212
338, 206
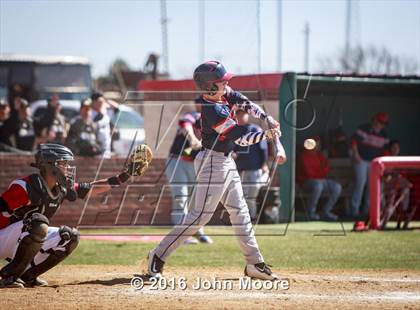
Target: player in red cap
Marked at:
369, 141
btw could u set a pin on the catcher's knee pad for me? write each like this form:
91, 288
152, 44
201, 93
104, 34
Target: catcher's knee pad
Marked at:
70, 237
37, 227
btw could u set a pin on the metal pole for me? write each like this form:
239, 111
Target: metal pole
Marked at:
202, 30
347, 30
164, 23
306, 32
259, 35
279, 34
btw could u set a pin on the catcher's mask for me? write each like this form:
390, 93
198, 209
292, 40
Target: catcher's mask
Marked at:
55, 159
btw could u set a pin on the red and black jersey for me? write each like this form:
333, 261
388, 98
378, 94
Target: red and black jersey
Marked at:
30, 194
370, 144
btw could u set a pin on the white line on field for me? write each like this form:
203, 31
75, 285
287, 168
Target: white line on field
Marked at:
398, 296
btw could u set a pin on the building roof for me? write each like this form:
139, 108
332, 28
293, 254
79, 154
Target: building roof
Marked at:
354, 77
44, 59
262, 86
256, 87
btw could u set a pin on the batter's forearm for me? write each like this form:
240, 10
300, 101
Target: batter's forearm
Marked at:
243, 103
253, 109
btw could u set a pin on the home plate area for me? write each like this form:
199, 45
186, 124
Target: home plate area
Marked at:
108, 287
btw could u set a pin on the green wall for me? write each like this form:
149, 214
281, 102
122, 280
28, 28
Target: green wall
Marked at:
356, 108
287, 93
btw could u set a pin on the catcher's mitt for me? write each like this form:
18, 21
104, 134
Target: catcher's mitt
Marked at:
139, 160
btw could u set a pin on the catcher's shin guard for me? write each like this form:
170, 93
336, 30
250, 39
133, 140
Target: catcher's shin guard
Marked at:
69, 237
37, 228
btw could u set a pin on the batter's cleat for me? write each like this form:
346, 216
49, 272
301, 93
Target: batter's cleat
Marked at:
11, 282
155, 265
260, 271
205, 239
37, 282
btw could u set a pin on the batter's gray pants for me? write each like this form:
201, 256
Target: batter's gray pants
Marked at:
217, 181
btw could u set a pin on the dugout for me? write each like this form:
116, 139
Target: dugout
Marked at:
316, 104
306, 104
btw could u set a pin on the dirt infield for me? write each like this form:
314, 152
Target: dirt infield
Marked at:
108, 287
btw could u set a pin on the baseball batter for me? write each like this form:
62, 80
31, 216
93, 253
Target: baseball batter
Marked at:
217, 177
26, 240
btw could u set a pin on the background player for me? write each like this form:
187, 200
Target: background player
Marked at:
180, 169
251, 162
26, 240
217, 177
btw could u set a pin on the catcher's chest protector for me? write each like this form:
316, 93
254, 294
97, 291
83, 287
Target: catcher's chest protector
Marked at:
40, 200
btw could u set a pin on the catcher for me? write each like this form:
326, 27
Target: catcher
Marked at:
26, 240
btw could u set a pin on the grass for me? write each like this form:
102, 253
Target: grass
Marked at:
315, 245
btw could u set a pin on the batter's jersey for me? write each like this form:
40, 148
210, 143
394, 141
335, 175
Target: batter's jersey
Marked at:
29, 194
219, 126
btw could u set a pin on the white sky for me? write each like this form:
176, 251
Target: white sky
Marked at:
105, 30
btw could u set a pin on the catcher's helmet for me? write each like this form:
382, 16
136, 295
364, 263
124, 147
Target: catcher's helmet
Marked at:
48, 157
208, 73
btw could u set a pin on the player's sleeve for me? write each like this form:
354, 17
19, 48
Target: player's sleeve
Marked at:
387, 141
228, 128
243, 103
250, 138
14, 197
188, 119
359, 135
82, 189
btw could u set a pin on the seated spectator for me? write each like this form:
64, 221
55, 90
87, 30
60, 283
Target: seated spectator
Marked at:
24, 134
252, 164
338, 146
9, 122
395, 190
5, 130
393, 149
269, 200
52, 125
103, 122
82, 137
4, 111
312, 171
